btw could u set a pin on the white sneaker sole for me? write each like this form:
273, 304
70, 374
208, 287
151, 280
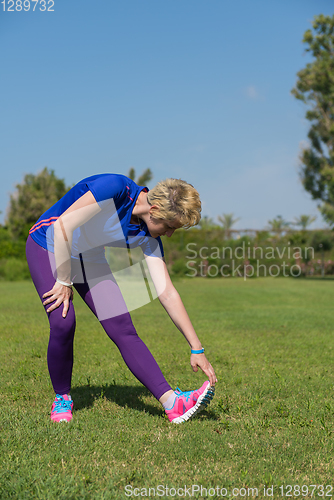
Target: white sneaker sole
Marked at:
201, 403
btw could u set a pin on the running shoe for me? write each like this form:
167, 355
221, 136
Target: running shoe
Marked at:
187, 404
62, 407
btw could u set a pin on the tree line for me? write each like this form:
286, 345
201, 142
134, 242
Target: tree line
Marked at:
314, 87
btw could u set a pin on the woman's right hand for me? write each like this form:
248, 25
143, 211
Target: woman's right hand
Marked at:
59, 294
199, 360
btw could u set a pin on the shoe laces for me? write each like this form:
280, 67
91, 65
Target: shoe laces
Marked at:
61, 405
186, 394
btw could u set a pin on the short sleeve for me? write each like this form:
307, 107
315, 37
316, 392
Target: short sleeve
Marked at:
108, 186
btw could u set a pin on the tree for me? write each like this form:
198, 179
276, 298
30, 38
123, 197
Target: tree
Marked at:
206, 223
227, 221
303, 221
143, 179
278, 225
315, 88
32, 197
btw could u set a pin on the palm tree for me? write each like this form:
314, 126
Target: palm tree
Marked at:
303, 221
278, 225
227, 221
206, 223
143, 179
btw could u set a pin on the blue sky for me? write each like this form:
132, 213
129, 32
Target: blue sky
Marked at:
193, 89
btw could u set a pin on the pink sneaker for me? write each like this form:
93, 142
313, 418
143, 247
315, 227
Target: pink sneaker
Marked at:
188, 404
62, 407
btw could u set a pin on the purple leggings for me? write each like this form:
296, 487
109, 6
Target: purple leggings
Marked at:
105, 293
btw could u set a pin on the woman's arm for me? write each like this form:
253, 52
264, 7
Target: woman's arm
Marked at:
77, 214
171, 301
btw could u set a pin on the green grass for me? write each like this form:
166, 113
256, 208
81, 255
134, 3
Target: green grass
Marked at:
270, 423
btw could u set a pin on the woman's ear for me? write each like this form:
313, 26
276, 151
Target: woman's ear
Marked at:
153, 210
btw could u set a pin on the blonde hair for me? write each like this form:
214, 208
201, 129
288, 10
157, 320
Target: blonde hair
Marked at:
177, 200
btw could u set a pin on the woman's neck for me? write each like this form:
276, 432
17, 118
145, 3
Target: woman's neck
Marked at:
141, 209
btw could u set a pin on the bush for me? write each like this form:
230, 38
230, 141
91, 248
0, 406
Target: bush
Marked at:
10, 247
179, 267
322, 238
13, 269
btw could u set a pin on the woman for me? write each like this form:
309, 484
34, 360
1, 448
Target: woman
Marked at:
66, 247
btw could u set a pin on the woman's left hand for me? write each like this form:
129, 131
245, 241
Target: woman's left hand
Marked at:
199, 360
59, 294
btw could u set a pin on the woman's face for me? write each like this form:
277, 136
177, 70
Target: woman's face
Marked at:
158, 227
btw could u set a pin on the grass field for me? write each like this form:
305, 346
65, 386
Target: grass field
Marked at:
271, 421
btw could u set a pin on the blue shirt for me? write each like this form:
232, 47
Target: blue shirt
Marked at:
116, 196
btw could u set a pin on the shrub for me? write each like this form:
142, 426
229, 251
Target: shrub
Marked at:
322, 238
13, 269
179, 267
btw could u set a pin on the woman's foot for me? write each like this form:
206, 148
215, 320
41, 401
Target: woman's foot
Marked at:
62, 407
187, 404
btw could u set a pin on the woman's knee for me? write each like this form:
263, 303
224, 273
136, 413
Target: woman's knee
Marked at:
62, 327
120, 328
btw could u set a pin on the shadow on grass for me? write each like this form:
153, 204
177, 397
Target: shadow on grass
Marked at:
126, 396
123, 395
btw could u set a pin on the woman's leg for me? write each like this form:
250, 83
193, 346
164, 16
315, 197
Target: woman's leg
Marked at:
104, 298
60, 349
